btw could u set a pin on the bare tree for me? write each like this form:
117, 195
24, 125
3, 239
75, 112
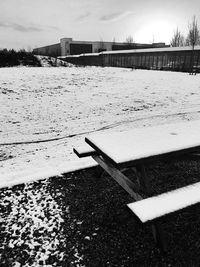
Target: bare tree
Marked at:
101, 45
129, 39
193, 39
187, 41
114, 41
177, 39
193, 33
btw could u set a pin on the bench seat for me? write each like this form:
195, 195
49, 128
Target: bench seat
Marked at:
84, 151
154, 207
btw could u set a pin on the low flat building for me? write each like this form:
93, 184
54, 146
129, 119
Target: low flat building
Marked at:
68, 46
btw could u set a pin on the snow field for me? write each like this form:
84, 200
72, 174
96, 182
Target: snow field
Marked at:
45, 112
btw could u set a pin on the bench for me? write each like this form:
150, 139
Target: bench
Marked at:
188, 195
166, 203
84, 151
161, 205
136, 148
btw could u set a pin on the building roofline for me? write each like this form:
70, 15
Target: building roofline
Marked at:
45, 46
150, 50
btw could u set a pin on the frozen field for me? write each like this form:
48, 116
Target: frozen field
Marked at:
44, 112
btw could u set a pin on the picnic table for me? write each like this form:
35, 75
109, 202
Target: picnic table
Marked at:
116, 151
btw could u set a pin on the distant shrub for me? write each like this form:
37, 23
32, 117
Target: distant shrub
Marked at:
10, 58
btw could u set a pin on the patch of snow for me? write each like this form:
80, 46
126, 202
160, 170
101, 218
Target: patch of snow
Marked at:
166, 203
78, 259
145, 50
161, 49
33, 216
46, 171
34, 226
47, 61
149, 141
45, 112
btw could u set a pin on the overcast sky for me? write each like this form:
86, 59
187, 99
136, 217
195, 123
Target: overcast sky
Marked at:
32, 23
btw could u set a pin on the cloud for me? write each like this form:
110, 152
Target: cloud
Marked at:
116, 16
26, 28
20, 27
53, 27
2, 24
83, 16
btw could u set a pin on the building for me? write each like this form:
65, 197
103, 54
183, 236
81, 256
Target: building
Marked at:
53, 50
184, 59
68, 46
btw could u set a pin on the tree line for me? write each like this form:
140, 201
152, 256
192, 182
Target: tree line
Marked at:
10, 58
191, 39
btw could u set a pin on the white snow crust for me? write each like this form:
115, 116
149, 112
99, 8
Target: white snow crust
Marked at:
149, 141
45, 112
35, 225
145, 50
166, 203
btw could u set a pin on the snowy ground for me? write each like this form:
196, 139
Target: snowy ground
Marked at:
44, 112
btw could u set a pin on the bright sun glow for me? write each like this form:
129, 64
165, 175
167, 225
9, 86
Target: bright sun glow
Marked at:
155, 31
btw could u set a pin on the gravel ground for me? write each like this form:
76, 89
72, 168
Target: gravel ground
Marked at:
82, 220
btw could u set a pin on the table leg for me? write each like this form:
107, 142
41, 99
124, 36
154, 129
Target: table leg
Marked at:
99, 171
159, 236
143, 179
129, 186
119, 177
156, 227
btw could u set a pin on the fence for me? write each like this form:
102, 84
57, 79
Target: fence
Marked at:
182, 59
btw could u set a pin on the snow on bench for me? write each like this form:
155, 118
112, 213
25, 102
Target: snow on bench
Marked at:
145, 143
154, 207
84, 151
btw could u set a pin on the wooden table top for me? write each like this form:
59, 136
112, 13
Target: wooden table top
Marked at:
147, 142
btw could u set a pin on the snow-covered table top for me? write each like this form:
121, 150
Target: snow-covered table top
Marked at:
143, 143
